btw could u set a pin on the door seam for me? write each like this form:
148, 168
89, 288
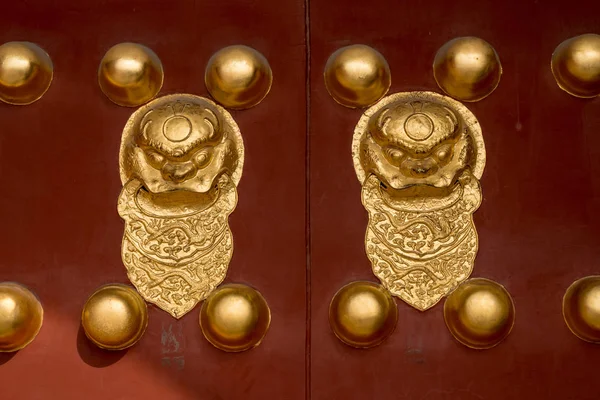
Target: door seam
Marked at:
307, 216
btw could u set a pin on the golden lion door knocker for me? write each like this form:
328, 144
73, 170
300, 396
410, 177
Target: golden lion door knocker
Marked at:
180, 161
419, 157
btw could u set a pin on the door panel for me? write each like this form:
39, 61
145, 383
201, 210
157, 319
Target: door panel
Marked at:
537, 225
60, 181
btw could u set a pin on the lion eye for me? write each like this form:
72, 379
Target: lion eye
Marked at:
444, 153
202, 158
155, 159
394, 154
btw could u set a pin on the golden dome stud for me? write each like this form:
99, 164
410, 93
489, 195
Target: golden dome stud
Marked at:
235, 318
363, 314
21, 316
357, 76
238, 77
576, 65
479, 313
467, 68
130, 74
114, 317
26, 72
581, 308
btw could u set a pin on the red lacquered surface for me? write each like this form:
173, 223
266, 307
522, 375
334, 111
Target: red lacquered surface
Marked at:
538, 225
60, 182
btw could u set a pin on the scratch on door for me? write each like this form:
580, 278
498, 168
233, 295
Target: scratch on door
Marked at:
172, 346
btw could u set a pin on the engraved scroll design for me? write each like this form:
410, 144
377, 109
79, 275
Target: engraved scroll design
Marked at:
422, 248
177, 261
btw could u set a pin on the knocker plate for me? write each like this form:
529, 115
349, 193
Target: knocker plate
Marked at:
181, 159
419, 157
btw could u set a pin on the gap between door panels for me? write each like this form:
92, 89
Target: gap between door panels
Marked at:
307, 351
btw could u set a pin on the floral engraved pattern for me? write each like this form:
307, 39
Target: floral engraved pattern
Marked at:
422, 248
176, 261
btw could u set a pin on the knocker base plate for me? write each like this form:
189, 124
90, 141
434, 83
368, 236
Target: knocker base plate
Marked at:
421, 253
176, 262
419, 157
180, 161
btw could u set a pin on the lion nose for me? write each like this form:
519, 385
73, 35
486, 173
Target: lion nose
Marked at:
179, 172
421, 168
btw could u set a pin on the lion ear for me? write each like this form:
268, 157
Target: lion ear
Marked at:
145, 124
382, 120
212, 120
378, 125
452, 117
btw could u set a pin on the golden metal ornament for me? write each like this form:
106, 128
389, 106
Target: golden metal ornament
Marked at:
581, 308
357, 76
181, 159
238, 77
363, 314
479, 313
114, 317
467, 68
419, 157
21, 316
235, 318
130, 74
576, 65
26, 72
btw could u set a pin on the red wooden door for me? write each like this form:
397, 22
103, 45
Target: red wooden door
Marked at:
299, 225
60, 179
538, 228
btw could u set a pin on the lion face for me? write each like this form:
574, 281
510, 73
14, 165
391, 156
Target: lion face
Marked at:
180, 145
416, 143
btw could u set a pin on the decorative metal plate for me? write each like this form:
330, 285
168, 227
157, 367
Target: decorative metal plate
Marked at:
419, 156
181, 159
